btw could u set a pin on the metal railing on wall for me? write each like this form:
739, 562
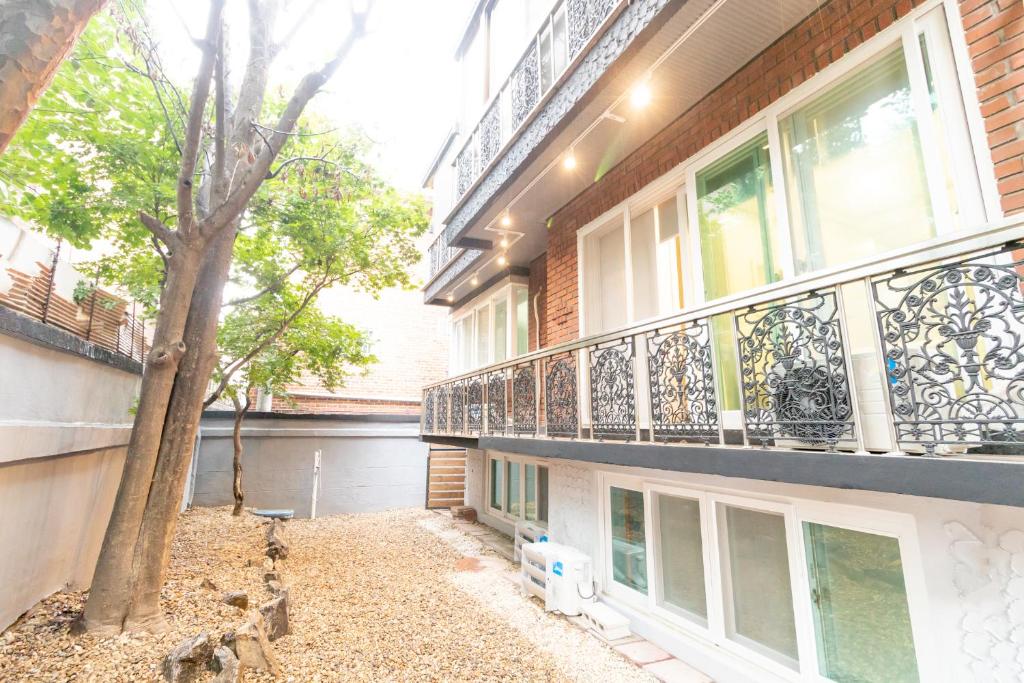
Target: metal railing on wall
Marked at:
940, 349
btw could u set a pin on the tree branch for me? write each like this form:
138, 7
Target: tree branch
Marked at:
159, 230
273, 287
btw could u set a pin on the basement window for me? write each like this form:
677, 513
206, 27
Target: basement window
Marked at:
518, 488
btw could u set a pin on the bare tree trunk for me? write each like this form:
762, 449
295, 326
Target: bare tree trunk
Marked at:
236, 462
152, 550
35, 37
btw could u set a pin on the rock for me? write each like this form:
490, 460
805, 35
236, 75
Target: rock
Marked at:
277, 546
268, 564
253, 648
188, 661
227, 666
463, 512
277, 589
208, 585
275, 617
238, 599
270, 576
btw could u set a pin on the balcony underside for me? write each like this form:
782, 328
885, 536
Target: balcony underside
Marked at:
969, 479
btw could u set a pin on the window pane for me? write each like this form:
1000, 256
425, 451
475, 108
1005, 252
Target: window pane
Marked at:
500, 328
483, 329
530, 493
644, 264
546, 62
737, 238
861, 617
496, 479
682, 557
522, 320
512, 505
559, 45
759, 600
854, 170
542, 494
605, 278
629, 559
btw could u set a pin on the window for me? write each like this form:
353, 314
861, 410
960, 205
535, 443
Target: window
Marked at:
485, 330
787, 585
605, 273
518, 488
756, 582
855, 169
681, 557
629, 547
859, 601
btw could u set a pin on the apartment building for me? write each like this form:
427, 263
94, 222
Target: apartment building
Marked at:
736, 296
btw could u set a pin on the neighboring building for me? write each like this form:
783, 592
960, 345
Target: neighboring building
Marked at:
723, 275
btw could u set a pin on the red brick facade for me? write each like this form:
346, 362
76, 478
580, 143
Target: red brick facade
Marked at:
994, 30
299, 403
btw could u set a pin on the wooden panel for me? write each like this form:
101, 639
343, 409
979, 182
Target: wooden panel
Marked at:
446, 477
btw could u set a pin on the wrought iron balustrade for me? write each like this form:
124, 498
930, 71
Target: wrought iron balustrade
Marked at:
567, 30
440, 254
940, 340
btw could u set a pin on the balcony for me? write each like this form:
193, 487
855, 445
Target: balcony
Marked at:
559, 42
947, 355
440, 254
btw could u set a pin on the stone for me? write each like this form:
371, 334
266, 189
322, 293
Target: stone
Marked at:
277, 545
268, 564
188, 661
208, 585
272, 576
239, 599
463, 512
277, 588
253, 648
227, 666
275, 617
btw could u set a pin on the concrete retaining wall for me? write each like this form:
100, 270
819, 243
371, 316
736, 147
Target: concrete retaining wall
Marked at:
367, 463
64, 425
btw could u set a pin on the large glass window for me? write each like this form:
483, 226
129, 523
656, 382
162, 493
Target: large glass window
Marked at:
681, 557
524, 485
605, 273
739, 247
855, 169
497, 469
500, 330
859, 600
629, 548
480, 337
756, 582
512, 494
644, 264
522, 320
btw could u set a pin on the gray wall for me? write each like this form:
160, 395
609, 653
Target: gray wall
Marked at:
366, 464
64, 425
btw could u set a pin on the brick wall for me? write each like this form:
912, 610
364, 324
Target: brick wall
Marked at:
300, 403
994, 31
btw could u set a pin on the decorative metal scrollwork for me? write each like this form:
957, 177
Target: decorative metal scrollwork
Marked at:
458, 390
953, 342
525, 87
560, 396
465, 168
524, 400
794, 374
496, 402
612, 394
684, 406
474, 404
490, 133
429, 396
583, 17
441, 403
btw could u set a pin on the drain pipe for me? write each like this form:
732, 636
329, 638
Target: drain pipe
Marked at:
536, 320
316, 483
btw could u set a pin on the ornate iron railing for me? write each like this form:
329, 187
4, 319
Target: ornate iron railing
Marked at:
567, 30
440, 254
943, 362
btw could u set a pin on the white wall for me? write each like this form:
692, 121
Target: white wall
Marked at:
64, 424
971, 555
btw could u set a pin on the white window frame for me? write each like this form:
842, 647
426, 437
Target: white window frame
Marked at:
486, 301
796, 511
682, 179
522, 461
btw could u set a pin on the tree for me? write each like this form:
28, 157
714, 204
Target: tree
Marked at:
269, 344
224, 156
37, 36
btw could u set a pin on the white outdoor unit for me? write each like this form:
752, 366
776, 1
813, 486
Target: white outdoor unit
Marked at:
528, 532
559, 575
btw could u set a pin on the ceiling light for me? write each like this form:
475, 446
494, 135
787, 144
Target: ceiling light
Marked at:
506, 220
451, 297
475, 281
641, 95
569, 162
502, 260
504, 242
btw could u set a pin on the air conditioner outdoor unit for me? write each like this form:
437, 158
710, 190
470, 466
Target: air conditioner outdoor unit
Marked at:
528, 532
559, 575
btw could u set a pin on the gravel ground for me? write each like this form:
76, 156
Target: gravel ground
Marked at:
394, 596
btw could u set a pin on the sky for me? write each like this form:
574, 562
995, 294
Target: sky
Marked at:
399, 83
